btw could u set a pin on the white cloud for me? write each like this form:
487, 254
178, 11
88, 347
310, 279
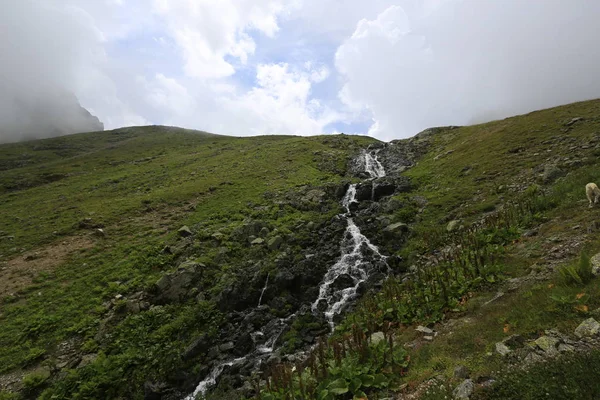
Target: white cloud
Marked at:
464, 61
208, 31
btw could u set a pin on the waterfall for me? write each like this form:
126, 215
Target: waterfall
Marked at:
354, 247
263, 290
352, 261
372, 165
212, 378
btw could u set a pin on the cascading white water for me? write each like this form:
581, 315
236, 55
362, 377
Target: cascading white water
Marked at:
372, 165
352, 261
263, 291
212, 378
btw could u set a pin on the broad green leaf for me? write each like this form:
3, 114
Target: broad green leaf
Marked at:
367, 380
381, 381
339, 386
355, 384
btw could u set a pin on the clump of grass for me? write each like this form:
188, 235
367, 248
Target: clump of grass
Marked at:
573, 376
578, 274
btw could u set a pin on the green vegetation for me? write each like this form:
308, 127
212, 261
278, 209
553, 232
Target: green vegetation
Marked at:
515, 188
139, 185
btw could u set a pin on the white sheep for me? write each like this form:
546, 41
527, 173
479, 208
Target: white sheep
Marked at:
593, 193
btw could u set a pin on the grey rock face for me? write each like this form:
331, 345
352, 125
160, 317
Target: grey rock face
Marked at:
464, 390
589, 327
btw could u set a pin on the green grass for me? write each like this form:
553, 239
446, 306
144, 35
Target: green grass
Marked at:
141, 185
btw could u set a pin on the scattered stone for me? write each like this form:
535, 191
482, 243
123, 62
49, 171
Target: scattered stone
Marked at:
464, 390
377, 337
99, 233
397, 227
573, 121
589, 327
185, 231
424, 329
87, 359
532, 358
428, 338
257, 241
461, 372
453, 225
595, 261
226, 346
275, 243
197, 347
563, 347
551, 173
547, 344
502, 349
514, 341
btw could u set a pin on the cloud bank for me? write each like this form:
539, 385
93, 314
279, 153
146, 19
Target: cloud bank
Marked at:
247, 67
462, 62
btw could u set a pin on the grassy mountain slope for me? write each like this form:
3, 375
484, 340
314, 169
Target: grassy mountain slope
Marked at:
139, 185
524, 177
66, 287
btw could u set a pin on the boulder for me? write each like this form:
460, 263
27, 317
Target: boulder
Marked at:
595, 261
176, 286
395, 229
461, 372
275, 243
453, 225
589, 327
464, 390
197, 347
257, 241
424, 329
547, 344
185, 231
502, 349
377, 337
551, 173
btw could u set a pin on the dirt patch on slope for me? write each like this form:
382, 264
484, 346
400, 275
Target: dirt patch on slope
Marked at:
20, 271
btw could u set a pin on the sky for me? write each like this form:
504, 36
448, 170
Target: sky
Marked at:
387, 69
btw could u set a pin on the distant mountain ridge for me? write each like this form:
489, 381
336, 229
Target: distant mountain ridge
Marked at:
45, 116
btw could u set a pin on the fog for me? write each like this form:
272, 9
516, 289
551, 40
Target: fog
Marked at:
470, 61
43, 53
392, 68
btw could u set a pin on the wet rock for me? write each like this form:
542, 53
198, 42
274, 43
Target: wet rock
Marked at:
464, 390
197, 347
377, 337
341, 282
589, 327
226, 346
185, 231
153, 391
461, 372
383, 187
